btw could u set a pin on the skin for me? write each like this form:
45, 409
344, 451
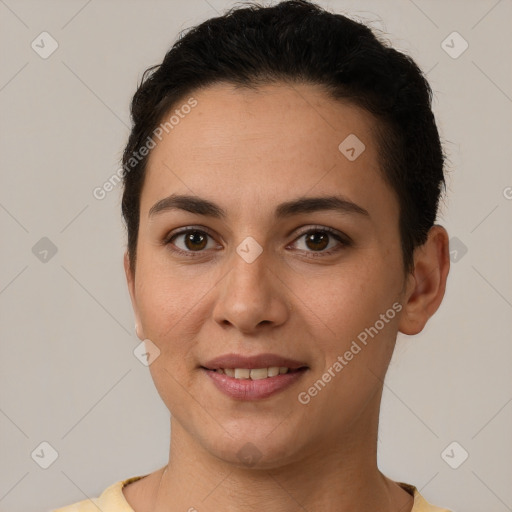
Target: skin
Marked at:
249, 151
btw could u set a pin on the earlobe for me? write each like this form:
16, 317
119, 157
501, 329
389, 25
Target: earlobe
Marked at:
428, 281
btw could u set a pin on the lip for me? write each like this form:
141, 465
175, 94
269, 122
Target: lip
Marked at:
248, 389
251, 362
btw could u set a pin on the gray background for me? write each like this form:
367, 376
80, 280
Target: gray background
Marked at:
68, 373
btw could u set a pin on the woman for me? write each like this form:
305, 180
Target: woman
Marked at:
281, 185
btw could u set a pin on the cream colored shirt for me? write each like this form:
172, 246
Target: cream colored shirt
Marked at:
112, 500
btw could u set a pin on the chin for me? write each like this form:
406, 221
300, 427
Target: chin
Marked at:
260, 451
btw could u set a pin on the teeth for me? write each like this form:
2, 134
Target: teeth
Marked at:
273, 371
259, 373
242, 373
254, 373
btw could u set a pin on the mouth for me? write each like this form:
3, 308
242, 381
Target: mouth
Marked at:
255, 373
255, 377
250, 384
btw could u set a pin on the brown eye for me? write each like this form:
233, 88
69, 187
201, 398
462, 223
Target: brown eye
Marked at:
322, 241
196, 240
190, 240
317, 241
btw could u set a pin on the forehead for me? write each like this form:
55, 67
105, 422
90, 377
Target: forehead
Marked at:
269, 144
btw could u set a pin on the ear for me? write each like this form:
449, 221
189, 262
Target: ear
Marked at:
130, 280
427, 283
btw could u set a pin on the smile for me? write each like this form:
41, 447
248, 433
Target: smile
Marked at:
255, 383
254, 373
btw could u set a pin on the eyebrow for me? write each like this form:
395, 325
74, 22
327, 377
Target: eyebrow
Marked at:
199, 206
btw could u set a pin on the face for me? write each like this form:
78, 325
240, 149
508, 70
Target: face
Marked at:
269, 266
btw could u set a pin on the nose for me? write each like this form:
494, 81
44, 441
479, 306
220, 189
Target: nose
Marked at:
251, 297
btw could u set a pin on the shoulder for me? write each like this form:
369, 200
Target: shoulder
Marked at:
111, 500
420, 503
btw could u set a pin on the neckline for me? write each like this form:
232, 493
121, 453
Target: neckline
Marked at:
409, 488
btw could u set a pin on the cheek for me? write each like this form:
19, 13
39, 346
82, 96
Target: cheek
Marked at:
354, 342
171, 306
347, 305
349, 297
169, 301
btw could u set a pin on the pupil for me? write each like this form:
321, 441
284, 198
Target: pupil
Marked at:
195, 240
317, 241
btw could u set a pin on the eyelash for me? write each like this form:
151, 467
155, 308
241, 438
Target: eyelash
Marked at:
343, 240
